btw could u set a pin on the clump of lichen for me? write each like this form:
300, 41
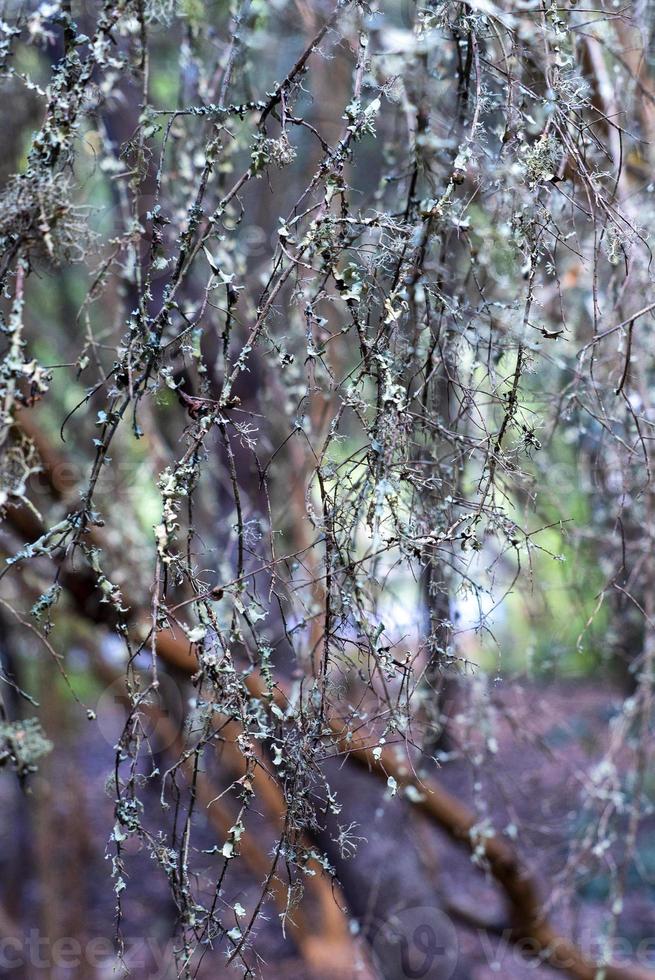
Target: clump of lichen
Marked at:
39, 214
18, 462
22, 744
265, 151
541, 160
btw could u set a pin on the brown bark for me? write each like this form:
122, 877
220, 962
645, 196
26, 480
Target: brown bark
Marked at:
527, 919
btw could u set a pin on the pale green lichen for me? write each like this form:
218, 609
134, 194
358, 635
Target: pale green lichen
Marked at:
22, 744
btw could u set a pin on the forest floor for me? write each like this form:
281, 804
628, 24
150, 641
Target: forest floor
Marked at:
406, 880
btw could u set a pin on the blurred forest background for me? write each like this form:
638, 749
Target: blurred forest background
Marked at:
327, 610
